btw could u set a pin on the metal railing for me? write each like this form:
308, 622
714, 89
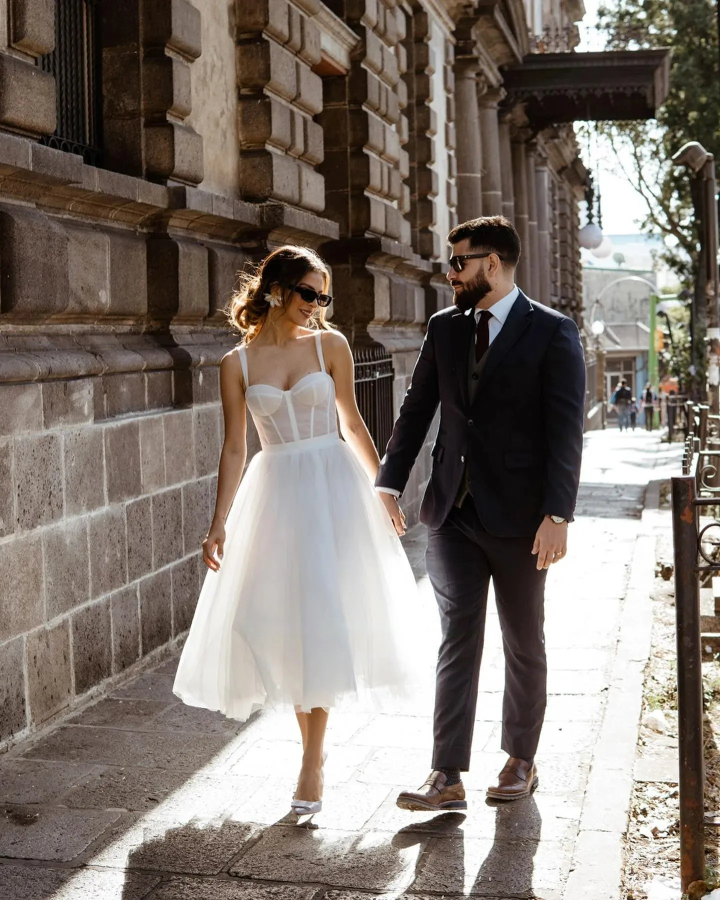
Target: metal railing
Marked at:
374, 377
697, 558
76, 64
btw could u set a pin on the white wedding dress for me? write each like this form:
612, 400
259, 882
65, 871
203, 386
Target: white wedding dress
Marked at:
314, 590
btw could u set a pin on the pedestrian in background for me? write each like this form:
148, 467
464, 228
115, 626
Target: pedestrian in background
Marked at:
649, 406
634, 409
621, 401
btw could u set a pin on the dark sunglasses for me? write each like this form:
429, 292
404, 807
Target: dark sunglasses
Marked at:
310, 295
458, 262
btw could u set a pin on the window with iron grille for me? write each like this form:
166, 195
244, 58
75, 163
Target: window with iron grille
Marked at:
76, 64
374, 377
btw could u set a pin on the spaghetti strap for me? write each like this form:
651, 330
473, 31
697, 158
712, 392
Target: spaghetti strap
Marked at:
242, 353
318, 343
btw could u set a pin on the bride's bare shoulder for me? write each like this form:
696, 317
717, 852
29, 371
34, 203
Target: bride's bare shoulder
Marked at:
334, 340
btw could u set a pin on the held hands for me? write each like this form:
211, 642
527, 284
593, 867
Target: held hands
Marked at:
550, 543
214, 545
394, 511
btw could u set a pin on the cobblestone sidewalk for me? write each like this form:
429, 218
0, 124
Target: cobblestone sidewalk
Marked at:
138, 796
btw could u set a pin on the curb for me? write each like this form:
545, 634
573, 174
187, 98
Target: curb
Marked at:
598, 857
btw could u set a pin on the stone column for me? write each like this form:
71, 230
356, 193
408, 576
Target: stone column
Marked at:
469, 148
532, 221
519, 173
506, 171
492, 194
542, 185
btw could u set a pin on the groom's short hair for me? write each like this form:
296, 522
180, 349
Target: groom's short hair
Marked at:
495, 233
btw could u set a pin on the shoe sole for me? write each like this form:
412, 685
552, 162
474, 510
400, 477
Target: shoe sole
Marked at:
498, 795
420, 806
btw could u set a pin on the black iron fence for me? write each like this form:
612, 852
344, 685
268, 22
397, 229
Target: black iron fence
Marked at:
374, 377
695, 499
76, 64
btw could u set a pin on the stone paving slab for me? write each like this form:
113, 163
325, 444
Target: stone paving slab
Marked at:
139, 796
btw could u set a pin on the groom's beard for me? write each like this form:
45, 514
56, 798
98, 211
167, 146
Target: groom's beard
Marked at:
472, 293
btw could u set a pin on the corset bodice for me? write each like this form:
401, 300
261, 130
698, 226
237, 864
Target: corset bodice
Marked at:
305, 411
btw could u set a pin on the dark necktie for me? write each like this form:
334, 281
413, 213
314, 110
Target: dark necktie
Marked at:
482, 334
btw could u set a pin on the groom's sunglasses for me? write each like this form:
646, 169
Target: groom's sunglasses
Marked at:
310, 295
457, 263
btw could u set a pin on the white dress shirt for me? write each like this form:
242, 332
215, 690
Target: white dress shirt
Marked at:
500, 311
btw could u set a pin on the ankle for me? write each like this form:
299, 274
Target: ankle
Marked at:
452, 776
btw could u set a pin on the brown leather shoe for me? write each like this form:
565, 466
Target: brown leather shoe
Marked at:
434, 795
518, 779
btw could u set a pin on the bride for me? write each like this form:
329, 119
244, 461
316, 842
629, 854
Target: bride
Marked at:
309, 587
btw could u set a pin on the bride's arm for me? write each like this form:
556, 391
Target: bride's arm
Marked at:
341, 366
232, 458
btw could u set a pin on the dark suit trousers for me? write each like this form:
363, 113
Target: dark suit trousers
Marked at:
462, 557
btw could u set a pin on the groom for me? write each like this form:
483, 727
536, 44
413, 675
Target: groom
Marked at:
509, 377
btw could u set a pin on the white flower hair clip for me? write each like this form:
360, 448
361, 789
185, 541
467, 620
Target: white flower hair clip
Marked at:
273, 299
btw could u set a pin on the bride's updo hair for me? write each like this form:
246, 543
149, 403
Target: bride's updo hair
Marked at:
272, 279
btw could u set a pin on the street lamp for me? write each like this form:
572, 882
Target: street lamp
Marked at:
706, 316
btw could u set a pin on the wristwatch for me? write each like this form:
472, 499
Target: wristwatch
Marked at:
558, 520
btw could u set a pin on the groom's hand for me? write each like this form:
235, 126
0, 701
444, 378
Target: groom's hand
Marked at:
394, 511
550, 543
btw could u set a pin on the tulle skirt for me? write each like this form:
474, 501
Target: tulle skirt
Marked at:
313, 595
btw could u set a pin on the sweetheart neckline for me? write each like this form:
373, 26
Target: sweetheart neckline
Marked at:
289, 390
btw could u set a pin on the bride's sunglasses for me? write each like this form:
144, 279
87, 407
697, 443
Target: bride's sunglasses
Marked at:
310, 295
457, 263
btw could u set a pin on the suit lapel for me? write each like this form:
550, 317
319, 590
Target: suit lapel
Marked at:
463, 330
517, 322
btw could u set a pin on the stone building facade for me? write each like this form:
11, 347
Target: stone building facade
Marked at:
149, 149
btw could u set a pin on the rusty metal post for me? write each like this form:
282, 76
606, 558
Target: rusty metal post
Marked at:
689, 679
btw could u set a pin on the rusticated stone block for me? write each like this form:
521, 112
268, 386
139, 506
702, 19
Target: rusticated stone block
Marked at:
21, 574
128, 283
35, 271
255, 16
267, 64
173, 23
13, 715
310, 48
67, 402
155, 610
174, 152
224, 264
152, 454
207, 439
48, 668
196, 514
33, 26
89, 289
122, 460
7, 497
179, 446
125, 614
310, 93
92, 645
166, 527
158, 390
139, 538
27, 97
20, 408
269, 175
124, 393
184, 593
166, 84
67, 566
38, 480
312, 189
193, 288
108, 551
206, 384
84, 470
314, 151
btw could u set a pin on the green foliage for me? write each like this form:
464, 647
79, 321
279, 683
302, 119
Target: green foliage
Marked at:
691, 113
674, 358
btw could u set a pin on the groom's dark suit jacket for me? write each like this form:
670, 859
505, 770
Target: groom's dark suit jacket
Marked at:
520, 437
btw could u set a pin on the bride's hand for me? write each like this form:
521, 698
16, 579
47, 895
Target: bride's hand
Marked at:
393, 509
213, 546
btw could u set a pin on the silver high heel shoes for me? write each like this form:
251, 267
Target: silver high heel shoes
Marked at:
307, 807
